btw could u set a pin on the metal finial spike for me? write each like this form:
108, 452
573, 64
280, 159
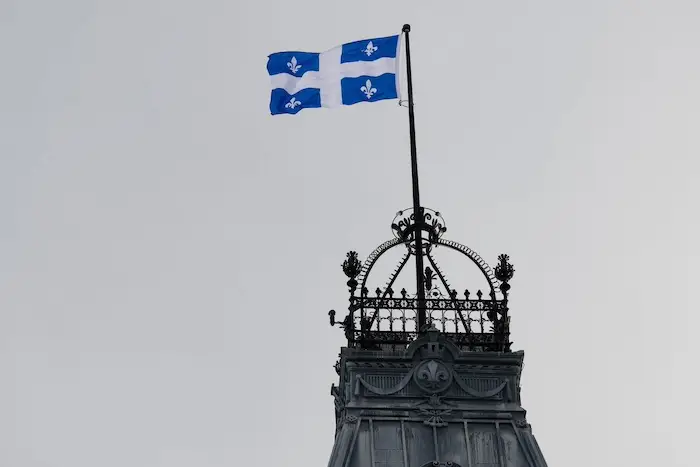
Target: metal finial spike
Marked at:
331, 315
466, 294
479, 294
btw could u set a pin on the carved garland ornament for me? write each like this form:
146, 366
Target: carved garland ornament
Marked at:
432, 377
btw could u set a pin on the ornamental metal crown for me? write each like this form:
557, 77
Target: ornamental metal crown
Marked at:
386, 319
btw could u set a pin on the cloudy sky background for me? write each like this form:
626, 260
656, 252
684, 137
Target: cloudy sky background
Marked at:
169, 251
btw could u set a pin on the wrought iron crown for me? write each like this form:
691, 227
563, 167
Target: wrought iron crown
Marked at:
385, 319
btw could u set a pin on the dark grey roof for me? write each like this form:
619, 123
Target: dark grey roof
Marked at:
431, 404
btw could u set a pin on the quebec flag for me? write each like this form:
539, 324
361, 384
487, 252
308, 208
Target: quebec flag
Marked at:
362, 71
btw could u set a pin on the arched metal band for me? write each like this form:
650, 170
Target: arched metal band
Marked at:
373, 257
465, 250
476, 259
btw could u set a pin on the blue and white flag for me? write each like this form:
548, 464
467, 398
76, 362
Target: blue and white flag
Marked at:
362, 71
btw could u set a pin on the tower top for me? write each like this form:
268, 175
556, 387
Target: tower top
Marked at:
385, 319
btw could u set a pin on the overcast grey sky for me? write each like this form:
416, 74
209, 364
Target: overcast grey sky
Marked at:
169, 251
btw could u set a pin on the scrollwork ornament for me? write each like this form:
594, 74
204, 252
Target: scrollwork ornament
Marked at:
404, 225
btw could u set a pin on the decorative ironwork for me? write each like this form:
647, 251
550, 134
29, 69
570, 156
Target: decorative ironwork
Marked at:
471, 254
372, 258
504, 270
352, 266
404, 227
504, 273
430, 303
429, 276
386, 319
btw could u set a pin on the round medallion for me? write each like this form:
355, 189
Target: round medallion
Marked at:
433, 376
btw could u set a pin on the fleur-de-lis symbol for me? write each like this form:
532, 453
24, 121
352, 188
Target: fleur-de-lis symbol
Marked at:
368, 89
293, 66
293, 102
433, 375
370, 49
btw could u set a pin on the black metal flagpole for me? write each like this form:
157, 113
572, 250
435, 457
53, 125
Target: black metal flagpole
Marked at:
417, 211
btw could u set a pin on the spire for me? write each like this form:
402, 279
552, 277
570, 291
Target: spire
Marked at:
444, 395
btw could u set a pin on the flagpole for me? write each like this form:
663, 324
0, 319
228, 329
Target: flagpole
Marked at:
417, 211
